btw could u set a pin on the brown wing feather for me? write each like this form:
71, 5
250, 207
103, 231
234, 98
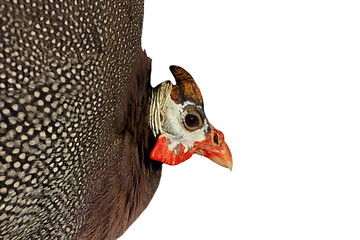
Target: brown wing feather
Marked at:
131, 179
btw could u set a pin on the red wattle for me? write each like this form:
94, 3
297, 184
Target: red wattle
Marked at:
162, 153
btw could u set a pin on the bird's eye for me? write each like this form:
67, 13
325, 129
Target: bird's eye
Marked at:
193, 121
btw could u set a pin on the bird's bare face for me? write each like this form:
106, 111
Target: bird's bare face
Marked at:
185, 130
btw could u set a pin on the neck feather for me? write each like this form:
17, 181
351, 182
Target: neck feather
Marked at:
159, 98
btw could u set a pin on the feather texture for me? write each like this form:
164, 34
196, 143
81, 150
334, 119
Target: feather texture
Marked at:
74, 142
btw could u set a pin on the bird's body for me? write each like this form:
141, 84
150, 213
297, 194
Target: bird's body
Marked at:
66, 111
75, 138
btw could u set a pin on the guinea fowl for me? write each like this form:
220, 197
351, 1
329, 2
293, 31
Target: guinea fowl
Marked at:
83, 134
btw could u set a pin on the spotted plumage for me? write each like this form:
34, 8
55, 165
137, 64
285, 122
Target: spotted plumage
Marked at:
64, 68
77, 123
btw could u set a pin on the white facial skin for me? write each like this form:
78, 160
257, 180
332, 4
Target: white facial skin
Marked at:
169, 119
174, 125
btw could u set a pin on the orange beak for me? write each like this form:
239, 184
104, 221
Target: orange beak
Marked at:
215, 148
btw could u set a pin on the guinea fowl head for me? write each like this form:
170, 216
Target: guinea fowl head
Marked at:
178, 120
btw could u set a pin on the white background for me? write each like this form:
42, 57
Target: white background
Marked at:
281, 79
